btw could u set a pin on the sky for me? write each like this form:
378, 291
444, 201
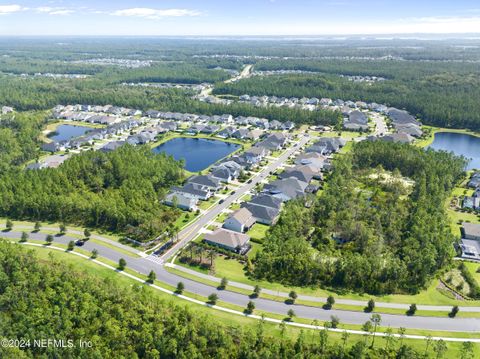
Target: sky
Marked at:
237, 17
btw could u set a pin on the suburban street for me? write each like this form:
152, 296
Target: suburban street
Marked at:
191, 232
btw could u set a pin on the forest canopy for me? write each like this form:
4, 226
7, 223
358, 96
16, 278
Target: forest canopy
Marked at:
366, 232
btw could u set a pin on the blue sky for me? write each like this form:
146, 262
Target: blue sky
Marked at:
243, 17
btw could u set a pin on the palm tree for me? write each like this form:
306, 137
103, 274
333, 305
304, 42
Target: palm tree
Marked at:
376, 320
345, 336
212, 255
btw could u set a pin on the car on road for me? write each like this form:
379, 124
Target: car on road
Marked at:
79, 242
221, 201
249, 181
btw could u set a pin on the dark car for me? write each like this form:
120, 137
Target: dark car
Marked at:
79, 242
221, 201
249, 181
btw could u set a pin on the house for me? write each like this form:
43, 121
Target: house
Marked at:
303, 173
471, 203
286, 189
410, 129
210, 129
229, 240
471, 231
224, 174
263, 215
192, 190
181, 201
357, 121
398, 137
241, 133
240, 221
255, 154
112, 146
313, 159
51, 147
255, 134
401, 117
289, 125
226, 119
264, 200
195, 129
327, 145
208, 181
226, 132
474, 180
275, 125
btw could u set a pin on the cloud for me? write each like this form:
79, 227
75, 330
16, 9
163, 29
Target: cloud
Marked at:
9, 9
149, 13
54, 10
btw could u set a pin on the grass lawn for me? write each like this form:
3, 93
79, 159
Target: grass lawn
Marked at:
255, 248
183, 221
233, 320
258, 231
222, 217
472, 268
207, 204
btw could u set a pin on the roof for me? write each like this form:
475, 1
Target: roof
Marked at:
227, 238
180, 199
205, 180
471, 229
290, 187
243, 216
261, 212
358, 117
265, 200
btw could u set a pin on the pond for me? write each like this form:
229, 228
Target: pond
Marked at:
67, 132
198, 153
460, 144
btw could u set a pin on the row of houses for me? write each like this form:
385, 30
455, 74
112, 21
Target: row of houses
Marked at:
225, 119
92, 135
473, 201
265, 207
71, 112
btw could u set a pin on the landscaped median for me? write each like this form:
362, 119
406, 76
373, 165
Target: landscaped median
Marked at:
201, 276
200, 302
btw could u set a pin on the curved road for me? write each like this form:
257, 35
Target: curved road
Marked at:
145, 265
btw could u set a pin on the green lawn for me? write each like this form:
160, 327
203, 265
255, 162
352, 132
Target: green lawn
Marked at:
258, 231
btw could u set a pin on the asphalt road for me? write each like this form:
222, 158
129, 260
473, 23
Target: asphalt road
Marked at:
145, 265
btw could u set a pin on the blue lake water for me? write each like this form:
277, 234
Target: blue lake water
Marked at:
460, 144
198, 153
67, 132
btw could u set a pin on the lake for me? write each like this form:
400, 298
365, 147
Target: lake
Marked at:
460, 144
198, 153
67, 132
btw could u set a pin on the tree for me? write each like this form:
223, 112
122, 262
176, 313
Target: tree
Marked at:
94, 254
323, 340
71, 246
370, 306
223, 283
367, 327
151, 277
376, 319
250, 307
293, 296
256, 291
467, 351
440, 348
180, 288
388, 338
36, 227
345, 336
413, 308
330, 302
401, 333
290, 314
212, 255
212, 298
87, 233
49, 239
454, 311
63, 228
334, 321
8, 225
122, 263
24, 237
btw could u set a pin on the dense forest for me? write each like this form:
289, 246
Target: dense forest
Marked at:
443, 98
48, 299
42, 94
365, 232
19, 138
120, 191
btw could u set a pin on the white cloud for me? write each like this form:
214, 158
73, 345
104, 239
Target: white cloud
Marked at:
9, 9
54, 10
149, 13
